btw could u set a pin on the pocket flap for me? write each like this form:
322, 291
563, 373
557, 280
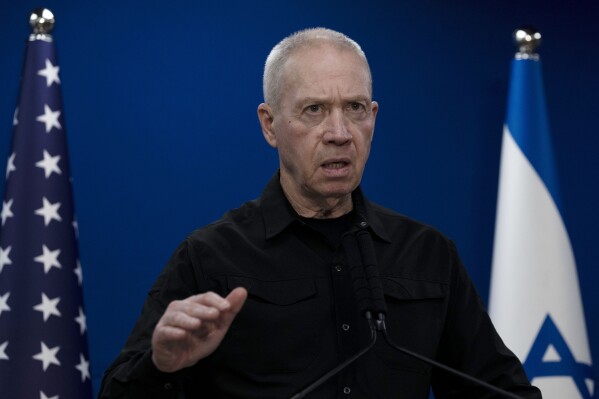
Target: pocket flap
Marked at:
407, 289
285, 292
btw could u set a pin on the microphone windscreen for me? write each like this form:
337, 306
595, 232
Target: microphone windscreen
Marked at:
359, 280
371, 271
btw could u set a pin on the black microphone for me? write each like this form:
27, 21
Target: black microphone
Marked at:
357, 272
371, 270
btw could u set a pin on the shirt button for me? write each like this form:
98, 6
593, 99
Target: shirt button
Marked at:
338, 268
345, 327
168, 386
347, 390
363, 224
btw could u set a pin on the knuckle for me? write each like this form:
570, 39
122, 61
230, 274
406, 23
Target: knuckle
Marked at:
174, 305
211, 295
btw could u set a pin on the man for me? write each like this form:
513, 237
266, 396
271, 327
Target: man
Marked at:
261, 303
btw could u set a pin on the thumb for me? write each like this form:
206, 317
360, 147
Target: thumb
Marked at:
236, 298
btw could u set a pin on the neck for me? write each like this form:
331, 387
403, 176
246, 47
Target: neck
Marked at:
317, 208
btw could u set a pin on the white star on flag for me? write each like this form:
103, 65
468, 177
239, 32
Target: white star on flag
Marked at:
49, 118
79, 272
49, 211
81, 320
4, 259
83, 367
3, 355
48, 307
49, 259
50, 72
10, 165
6, 211
49, 164
15, 121
4, 303
43, 396
47, 356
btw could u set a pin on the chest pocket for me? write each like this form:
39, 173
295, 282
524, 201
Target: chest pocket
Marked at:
407, 289
277, 330
416, 313
281, 293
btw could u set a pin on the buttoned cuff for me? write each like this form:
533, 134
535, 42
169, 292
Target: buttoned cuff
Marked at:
146, 372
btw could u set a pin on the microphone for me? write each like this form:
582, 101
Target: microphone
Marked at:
371, 271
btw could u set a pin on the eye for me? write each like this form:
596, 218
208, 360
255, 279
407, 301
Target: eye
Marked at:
314, 108
356, 106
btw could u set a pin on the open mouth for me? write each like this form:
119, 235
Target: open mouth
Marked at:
335, 165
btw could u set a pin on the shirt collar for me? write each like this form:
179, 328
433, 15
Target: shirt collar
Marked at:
366, 217
276, 210
278, 213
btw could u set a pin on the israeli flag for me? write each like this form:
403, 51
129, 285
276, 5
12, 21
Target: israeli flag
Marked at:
535, 300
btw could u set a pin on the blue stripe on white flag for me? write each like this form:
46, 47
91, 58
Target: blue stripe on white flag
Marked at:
528, 122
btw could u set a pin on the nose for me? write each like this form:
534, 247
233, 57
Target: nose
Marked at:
335, 128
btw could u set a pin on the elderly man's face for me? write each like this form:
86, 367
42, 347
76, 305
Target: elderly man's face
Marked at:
324, 124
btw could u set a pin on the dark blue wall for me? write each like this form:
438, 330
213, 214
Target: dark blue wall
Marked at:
161, 100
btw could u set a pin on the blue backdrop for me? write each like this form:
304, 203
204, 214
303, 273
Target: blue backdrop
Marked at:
160, 103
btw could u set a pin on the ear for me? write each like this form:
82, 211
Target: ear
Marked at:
374, 107
266, 118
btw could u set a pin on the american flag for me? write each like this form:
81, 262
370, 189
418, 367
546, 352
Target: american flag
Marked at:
43, 331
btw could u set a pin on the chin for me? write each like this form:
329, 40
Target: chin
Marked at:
337, 190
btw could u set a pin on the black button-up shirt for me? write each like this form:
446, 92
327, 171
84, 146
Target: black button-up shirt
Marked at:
300, 319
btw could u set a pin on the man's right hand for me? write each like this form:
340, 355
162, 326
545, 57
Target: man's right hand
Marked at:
192, 329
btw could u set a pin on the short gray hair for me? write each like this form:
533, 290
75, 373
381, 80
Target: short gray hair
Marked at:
276, 60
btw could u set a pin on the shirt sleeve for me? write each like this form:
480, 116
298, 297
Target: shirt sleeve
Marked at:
133, 374
471, 344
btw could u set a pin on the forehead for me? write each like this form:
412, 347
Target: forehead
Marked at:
325, 65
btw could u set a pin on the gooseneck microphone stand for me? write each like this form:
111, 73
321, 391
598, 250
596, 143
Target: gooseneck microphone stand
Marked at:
370, 300
366, 306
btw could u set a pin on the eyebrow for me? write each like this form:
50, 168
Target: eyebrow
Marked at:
324, 100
